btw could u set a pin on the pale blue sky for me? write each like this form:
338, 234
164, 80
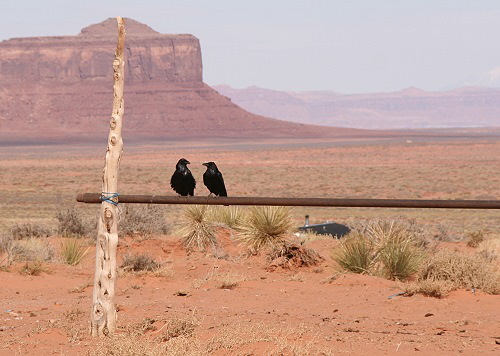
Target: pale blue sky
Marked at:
348, 46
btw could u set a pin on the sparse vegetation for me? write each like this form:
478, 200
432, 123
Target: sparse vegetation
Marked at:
198, 232
430, 288
179, 327
9, 248
265, 226
139, 262
33, 268
232, 217
73, 251
28, 231
475, 238
356, 253
461, 270
229, 280
391, 248
73, 223
143, 220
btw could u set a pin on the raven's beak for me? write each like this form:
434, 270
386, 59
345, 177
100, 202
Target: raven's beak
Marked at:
187, 162
205, 164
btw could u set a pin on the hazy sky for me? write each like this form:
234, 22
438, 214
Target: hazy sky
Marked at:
348, 46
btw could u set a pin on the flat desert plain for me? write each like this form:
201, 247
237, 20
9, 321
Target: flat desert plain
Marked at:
235, 303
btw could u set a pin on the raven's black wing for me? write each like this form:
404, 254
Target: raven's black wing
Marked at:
221, 185
183, 184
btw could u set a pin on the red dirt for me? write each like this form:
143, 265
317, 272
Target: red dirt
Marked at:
344, 314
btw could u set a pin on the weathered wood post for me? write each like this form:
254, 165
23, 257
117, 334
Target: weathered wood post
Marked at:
103, 314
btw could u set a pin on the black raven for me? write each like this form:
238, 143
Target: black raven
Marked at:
182, 180
213, 180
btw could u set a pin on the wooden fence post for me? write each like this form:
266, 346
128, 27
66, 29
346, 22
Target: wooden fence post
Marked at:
103, 314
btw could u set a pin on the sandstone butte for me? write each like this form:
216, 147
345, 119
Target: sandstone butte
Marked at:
61, 87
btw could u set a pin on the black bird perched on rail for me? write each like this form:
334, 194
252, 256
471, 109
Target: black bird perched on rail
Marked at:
182, 180
212, 178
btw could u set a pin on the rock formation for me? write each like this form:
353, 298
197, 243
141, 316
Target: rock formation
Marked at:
62, 86
406, 109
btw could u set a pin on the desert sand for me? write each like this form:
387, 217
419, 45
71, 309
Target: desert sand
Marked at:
304, 310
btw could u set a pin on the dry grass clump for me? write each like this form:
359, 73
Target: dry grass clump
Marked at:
34, 250
179, 327
73, 223
462, 270
31, 249
356, 253
291, 255
9, 250
33, 268
232, 217
143, 220
430, 288
198, 232
126, 345
475, 238
265, 226
139, 262
28, 230
229, 280
73, 251
490, 249
392, 248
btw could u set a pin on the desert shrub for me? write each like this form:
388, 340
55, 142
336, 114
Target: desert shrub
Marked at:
232, 216
179, 327
33, 268
265, 226
73, 251
139, 262
490, 249
31, 249
356, 253
462, 270
28, 230
73, 223
293, 255
391, 248
34, 250
475, 238
198, 232
143, 220
430, 288
229, 280
9, 250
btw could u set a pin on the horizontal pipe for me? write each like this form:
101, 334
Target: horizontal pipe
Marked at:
94, 198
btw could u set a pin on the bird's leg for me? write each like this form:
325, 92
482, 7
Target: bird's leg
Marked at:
209, 195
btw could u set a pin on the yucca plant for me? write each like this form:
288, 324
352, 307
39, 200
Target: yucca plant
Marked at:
73, 251
398, 247
393, 248
265, 226
356, 253
399, 259
197, 232
232, 216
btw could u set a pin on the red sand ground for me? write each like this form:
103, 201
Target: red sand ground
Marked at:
343, 314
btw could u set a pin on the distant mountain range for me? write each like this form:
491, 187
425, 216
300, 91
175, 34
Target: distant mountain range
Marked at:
410, 108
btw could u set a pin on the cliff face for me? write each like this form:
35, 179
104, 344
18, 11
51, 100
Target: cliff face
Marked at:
87, 57
63, 86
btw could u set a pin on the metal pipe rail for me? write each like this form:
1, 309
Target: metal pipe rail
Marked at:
95, 198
